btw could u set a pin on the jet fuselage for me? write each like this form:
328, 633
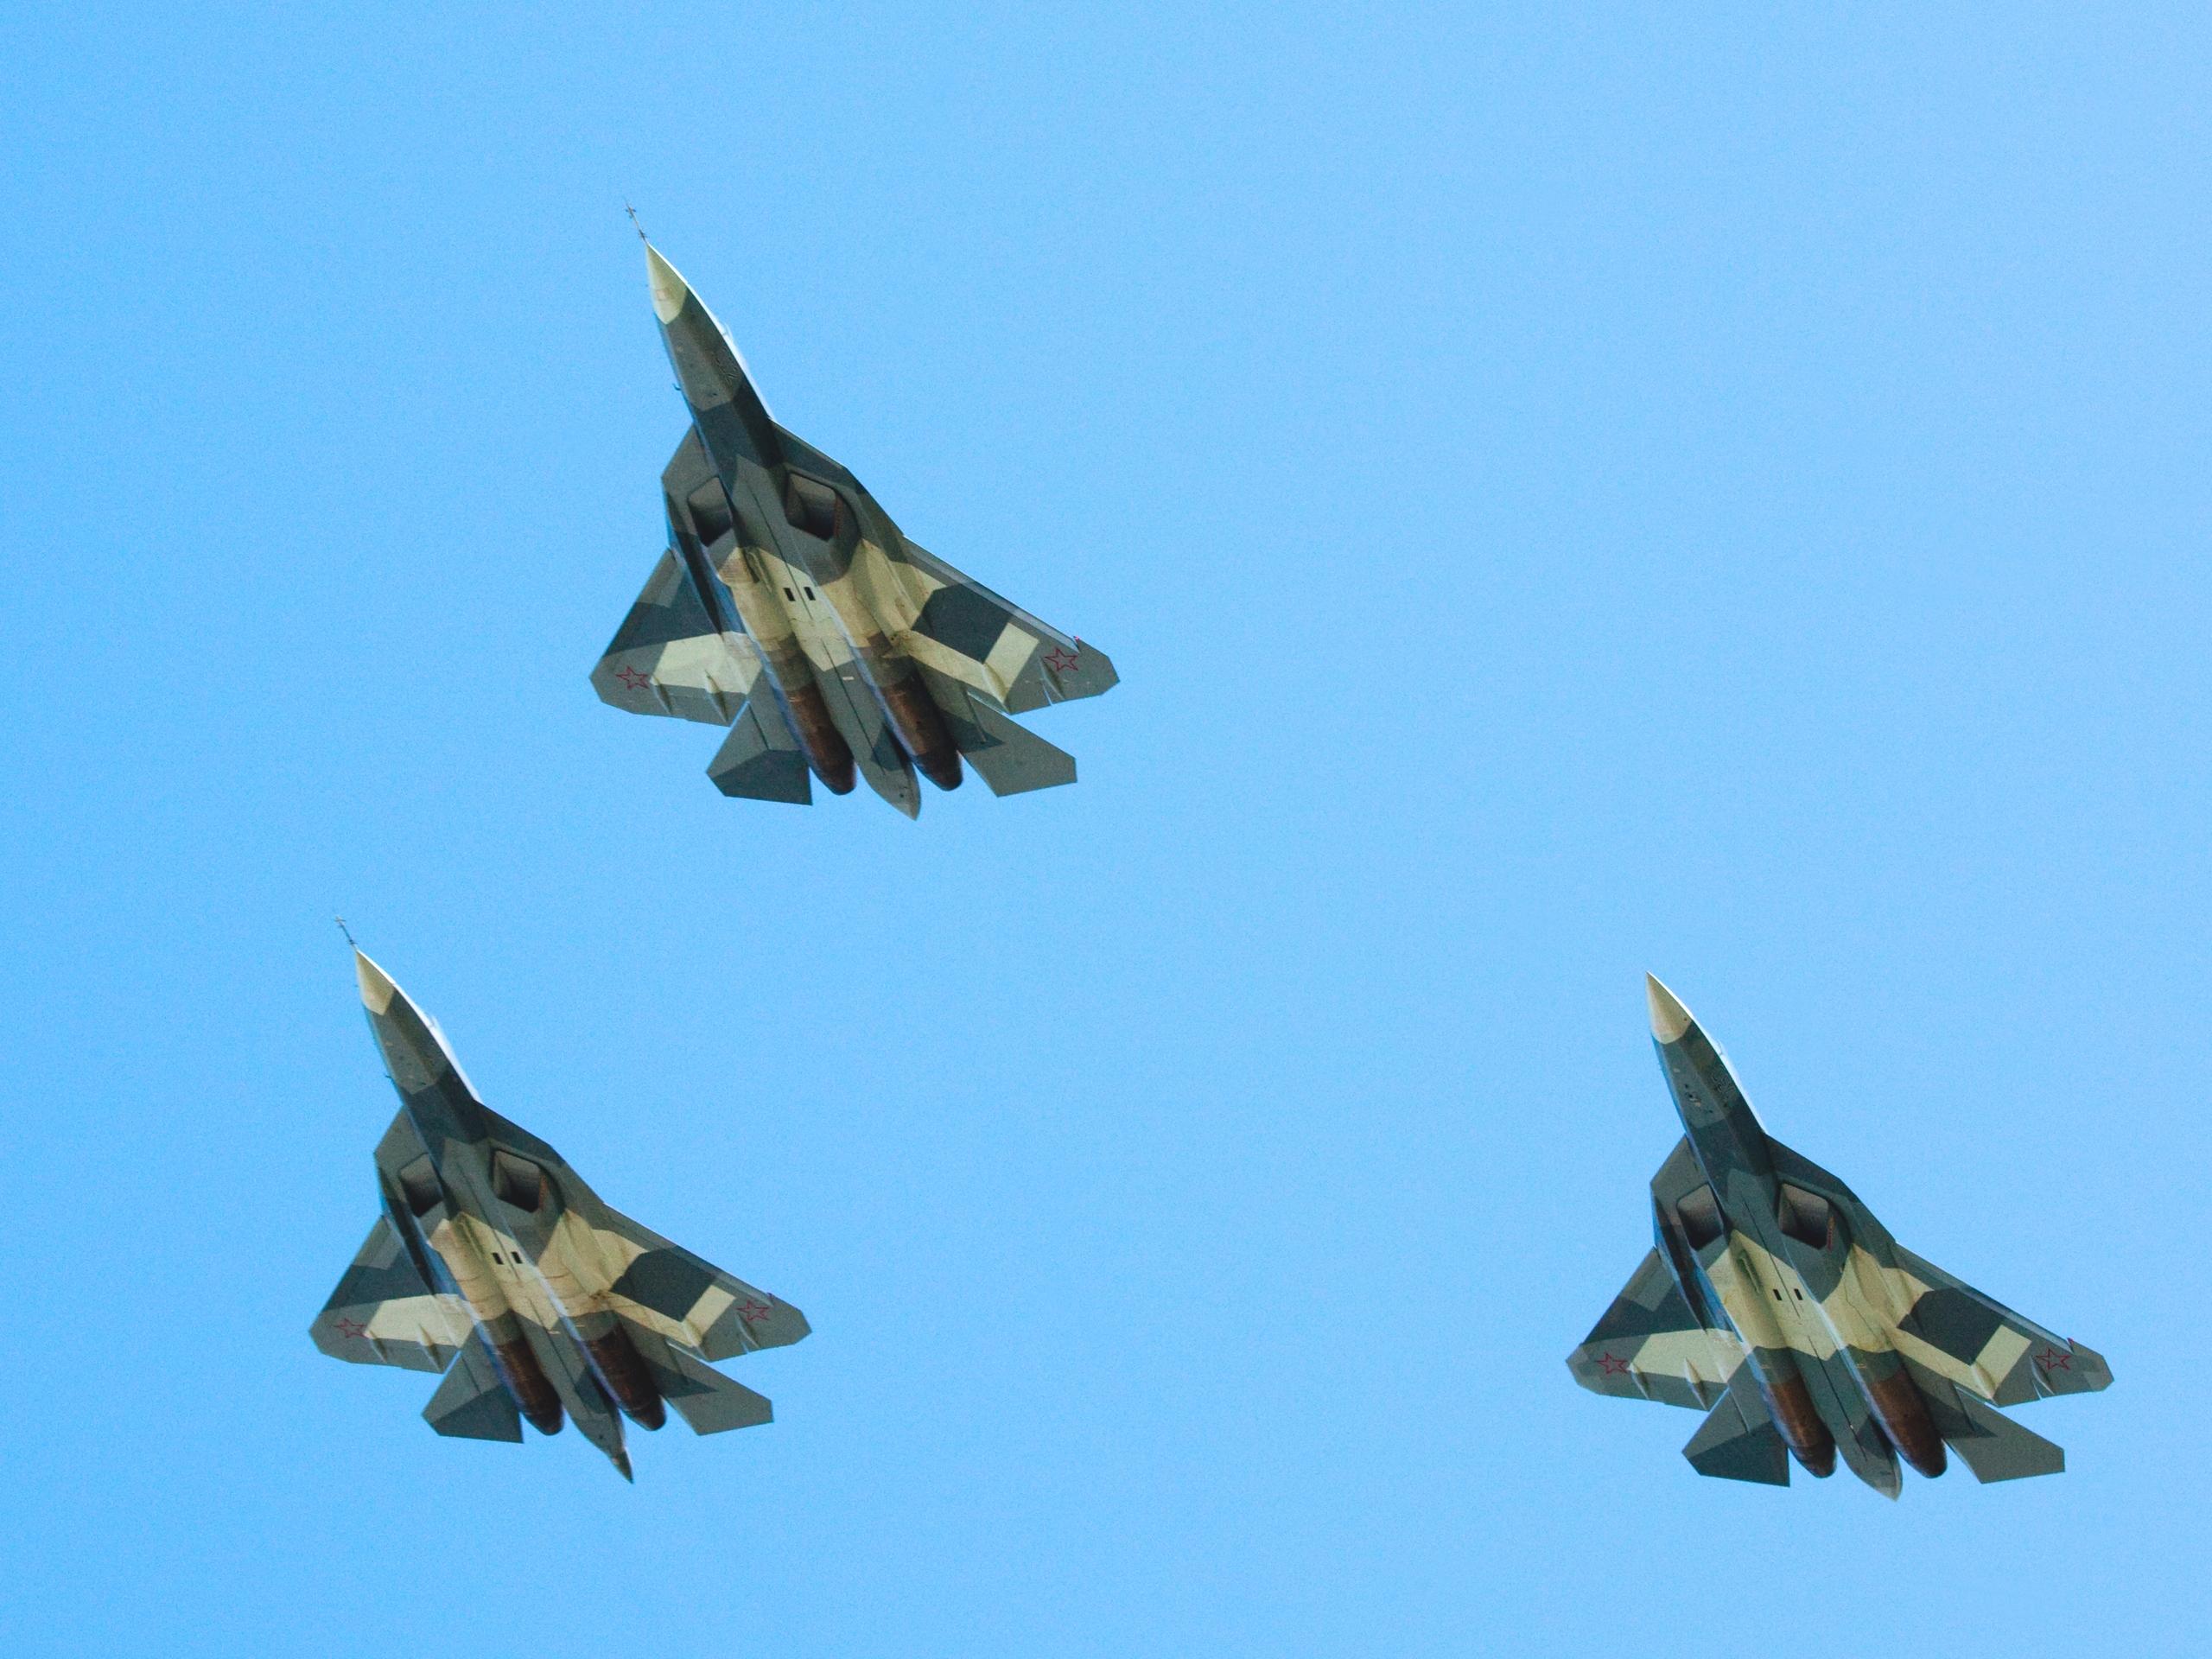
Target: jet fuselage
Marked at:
1777, 1303
494, 1264
796, 543
1779, 1261
480, 1206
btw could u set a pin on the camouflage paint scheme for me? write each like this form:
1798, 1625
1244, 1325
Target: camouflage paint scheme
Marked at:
789, 609
1777, 1304
493, 1264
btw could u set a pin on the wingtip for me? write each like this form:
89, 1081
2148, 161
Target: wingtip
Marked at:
1670, 1018
2095, 1370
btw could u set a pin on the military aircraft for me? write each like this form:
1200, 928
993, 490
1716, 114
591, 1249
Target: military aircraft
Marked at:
495, 1264
1776, 1303
789, 609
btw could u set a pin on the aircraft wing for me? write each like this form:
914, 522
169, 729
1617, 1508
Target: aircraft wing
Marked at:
382, 1313
1983, 1346
669, 658
1650, 1346
1946, 1325
947, 620
688, 1300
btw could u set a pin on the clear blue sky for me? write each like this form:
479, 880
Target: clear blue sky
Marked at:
1665, 489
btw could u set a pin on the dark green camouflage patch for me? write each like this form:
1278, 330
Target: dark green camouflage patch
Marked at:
668, 1281
1952, 1320
963, 620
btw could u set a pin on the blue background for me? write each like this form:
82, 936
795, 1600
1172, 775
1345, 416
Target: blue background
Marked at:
1662, 489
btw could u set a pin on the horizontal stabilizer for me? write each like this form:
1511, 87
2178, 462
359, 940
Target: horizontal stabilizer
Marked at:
760, 759
1732, 1445
710, 1403
471, 1403
1988, 1441
1009, 757
1999, 1449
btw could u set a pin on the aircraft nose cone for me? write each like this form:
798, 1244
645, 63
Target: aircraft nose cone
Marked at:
413, 1052
1670, 1018
377, 988
669, 290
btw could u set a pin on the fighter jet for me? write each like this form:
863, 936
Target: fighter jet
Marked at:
495, 1264
1776, 1303
789, 609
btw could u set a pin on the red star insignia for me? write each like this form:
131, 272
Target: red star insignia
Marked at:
1060, 660
350, 1328
753, 1313
2052, 1360
635, 681
1608, 1365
